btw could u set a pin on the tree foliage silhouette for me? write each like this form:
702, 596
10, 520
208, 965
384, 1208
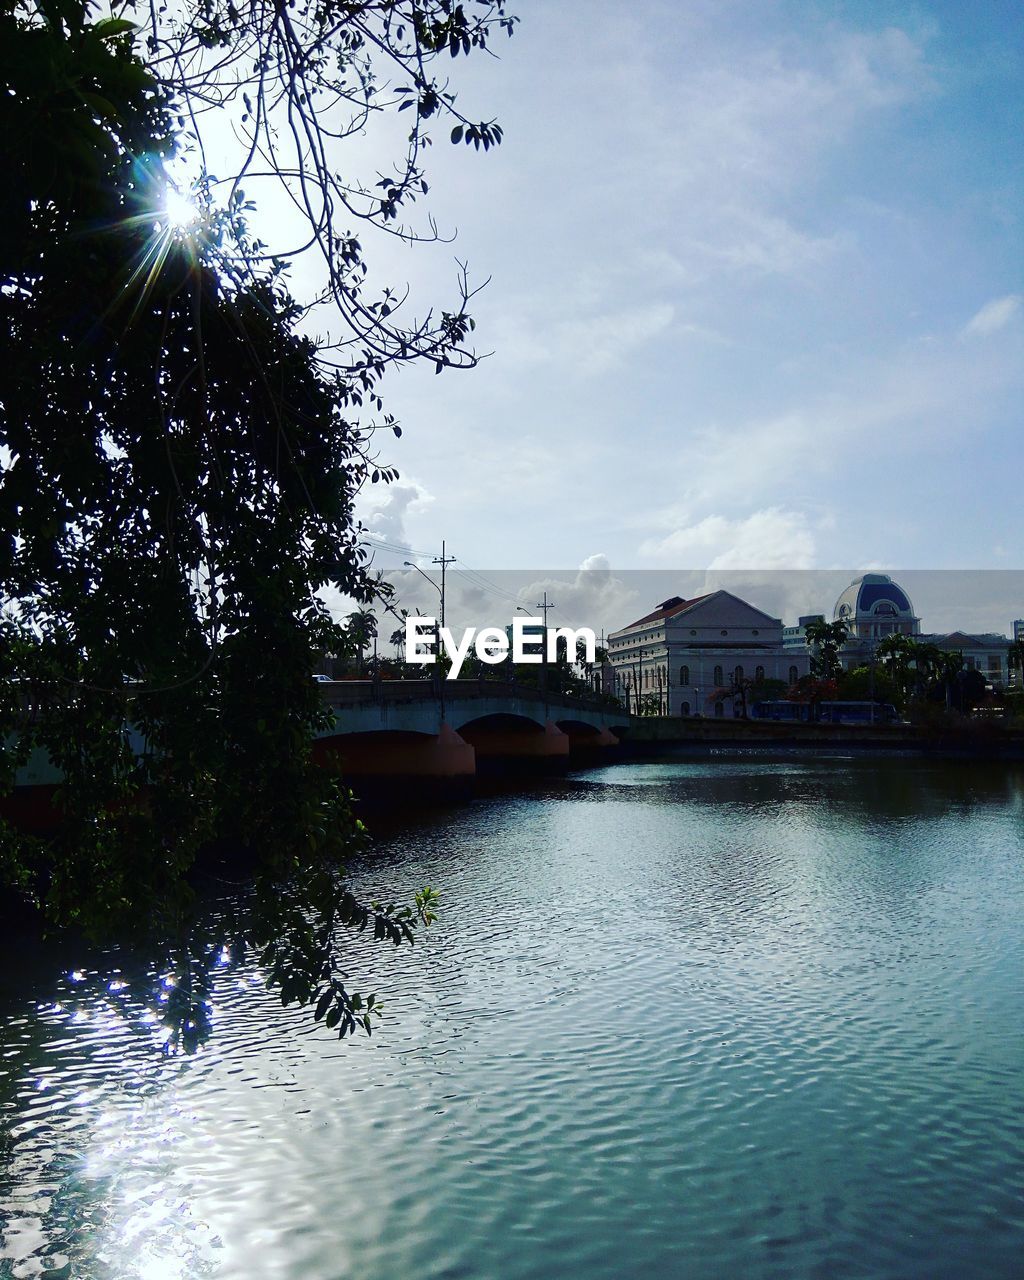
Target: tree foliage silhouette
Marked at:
180, 460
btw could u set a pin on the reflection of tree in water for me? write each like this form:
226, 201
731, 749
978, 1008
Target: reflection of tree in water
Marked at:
900, 787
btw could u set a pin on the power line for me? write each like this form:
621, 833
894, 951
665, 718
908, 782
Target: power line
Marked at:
473, 576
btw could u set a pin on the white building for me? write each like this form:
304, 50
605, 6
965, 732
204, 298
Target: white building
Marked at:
678, 656
985, 653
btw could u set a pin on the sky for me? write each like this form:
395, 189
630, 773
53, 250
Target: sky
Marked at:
755, 296
605, 599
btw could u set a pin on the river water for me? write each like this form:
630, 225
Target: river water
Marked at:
732, 1017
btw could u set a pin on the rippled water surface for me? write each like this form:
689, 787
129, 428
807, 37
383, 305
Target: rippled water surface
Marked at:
728, 1018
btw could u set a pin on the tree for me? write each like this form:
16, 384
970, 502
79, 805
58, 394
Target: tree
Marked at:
813, 690
1015, 660
825, 639
769, 688
867, 684
294, 82
361, 631
948, 671
740, 691
926, 659
894, 651
397, 638
179, 464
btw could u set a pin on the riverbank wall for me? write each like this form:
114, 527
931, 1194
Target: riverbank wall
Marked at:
658, 735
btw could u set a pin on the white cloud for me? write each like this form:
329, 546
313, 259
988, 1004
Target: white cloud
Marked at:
586, 345
772, 538
993, 316
712, 282
732, 141
383, 510
594, 597
916, 398
767, 244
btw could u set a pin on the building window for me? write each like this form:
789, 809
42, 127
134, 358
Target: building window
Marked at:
725, 633
719, 677
719, 709
737, 675
759, 675
684, 710
755, 632
684, 675
793, 675
693, 633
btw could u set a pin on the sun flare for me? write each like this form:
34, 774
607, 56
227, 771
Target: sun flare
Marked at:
181, 210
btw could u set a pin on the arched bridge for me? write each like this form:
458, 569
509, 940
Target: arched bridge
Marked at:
433, 732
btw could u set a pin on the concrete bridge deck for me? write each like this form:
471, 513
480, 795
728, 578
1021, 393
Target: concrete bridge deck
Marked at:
419, 705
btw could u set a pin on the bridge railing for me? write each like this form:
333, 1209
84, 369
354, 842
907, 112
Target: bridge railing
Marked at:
352, 693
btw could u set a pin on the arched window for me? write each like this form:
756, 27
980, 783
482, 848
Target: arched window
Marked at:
684, 676
737, 675
719, 709
684, 710
647, 678
719, 677
759, 675
793, 675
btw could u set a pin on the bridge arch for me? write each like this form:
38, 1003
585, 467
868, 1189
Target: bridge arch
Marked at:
495, 721
509, 741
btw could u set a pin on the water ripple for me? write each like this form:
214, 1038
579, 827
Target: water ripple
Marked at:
688, 1019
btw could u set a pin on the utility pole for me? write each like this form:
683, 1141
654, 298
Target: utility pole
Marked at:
545, 606
443, 560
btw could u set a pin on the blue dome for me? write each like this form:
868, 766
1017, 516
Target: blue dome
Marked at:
873, 595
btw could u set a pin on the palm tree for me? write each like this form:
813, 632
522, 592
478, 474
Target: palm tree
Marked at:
361, 627
895, 652
397, 638
825, 639
926, 659
949, 667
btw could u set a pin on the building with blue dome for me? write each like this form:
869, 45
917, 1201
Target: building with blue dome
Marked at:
873, 607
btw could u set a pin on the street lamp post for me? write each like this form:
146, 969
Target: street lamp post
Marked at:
440, 591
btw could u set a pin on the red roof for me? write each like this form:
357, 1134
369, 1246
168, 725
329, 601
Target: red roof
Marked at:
668, 609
